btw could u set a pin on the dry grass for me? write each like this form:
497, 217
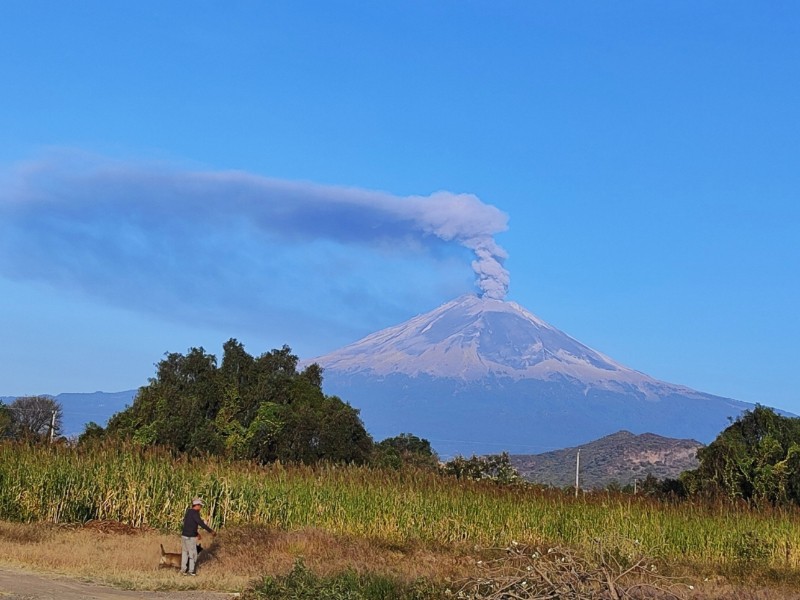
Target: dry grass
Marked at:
129, 559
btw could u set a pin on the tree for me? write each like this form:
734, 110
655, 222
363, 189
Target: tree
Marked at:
313, 373
237, 376
92, 433
756, 459
35, 416
342, 435
174, 409
6, 421
405, 449
496, 467
253, 408
666, 489
317, 427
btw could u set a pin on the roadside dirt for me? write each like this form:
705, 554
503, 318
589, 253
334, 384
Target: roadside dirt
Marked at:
18, 584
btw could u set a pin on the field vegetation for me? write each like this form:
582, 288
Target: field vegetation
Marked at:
408, 523
308, 504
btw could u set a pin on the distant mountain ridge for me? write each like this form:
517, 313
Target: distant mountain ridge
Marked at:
621, 457
480, 375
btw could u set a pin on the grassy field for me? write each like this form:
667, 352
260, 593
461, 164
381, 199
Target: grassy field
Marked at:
364, 518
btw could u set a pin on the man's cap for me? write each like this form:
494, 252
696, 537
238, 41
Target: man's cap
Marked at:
197, 501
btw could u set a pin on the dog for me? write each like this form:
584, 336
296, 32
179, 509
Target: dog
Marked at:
173, 559
169, 559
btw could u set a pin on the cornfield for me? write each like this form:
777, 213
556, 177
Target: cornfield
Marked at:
152, 488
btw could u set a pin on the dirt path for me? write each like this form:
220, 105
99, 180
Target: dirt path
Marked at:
17, 584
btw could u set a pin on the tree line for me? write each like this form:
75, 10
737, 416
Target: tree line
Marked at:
259, 408
256, 408
264, 409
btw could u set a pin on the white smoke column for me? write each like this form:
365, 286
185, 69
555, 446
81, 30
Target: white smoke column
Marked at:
463, 218
493, 278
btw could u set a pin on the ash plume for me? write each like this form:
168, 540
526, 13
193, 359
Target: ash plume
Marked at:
147, 236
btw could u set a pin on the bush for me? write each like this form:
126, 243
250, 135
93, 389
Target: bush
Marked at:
495, 467
405, 450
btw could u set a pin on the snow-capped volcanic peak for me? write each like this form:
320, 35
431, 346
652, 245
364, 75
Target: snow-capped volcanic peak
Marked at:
478, 374
471, 338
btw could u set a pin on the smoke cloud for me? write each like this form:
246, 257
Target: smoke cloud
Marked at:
150, 236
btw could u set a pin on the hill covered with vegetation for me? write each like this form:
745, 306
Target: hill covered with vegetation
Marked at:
622, 459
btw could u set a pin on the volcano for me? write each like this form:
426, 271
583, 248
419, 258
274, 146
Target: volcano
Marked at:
480, 375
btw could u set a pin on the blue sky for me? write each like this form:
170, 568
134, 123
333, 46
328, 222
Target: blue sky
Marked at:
304, 173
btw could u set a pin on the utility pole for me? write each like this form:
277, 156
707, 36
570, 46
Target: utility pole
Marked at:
52, 425
577, 472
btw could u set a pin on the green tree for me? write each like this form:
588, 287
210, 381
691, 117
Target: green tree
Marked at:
405, 449
237, 375
342, 435
174, 409
313, 373
756, 458
496, 467
92, 433
254, 408
6, 421
318, 427
262, 438
662, 488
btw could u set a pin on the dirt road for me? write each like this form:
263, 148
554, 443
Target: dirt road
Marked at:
26, 585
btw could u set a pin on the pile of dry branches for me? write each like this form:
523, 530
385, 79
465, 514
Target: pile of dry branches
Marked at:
526, 573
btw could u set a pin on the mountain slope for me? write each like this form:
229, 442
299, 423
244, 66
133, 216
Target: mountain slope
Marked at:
472, 338
483, 375
622, 457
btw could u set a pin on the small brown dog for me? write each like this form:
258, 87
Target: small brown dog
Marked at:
173, 559
169, 559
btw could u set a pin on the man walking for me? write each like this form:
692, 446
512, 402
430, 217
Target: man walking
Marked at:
191, 522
